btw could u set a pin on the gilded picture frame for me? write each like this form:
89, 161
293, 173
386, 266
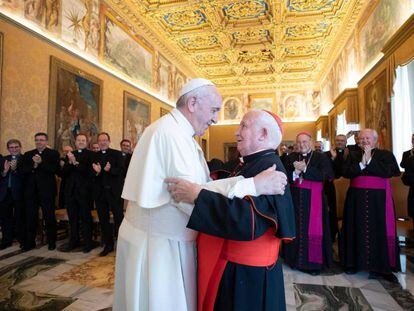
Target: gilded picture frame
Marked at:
163, 112
75, 104
230, 151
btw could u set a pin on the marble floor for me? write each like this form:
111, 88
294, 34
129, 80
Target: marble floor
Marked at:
53, 280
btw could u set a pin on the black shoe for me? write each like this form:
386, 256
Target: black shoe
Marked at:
350, 271
51, 246
28, 247
70, 247
106, 251
86, 249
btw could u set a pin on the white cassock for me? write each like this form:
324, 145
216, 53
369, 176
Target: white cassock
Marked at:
156, 255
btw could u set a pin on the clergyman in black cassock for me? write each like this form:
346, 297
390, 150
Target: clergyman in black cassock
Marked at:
107, 190
336, 157
408, 180
239, 240
311, 251
368, 236
78, 174
40, 190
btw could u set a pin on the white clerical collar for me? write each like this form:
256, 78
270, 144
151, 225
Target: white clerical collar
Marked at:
103, 151
183, 122
79, 150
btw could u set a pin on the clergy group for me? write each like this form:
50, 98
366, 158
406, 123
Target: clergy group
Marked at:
201, 235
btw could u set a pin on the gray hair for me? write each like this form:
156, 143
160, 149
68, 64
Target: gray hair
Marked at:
265, 121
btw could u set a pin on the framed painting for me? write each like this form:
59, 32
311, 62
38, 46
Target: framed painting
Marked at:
137, 116
163, 112
263, 101
233, 109
230, 152
125, 51
204, 147
378, 109
164, 75
179, 81
75, 104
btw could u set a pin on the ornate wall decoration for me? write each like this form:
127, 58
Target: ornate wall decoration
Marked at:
126, 52
80, 24
299, 66
306, 31
219, 71
75, 104
258, 69
48, 16
137, 116
307, 6
163, 112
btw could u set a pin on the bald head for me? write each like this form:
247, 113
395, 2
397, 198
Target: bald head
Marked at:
258, 130
200, 107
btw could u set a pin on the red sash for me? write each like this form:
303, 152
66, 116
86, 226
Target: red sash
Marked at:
315, 226
373, 182
214, 253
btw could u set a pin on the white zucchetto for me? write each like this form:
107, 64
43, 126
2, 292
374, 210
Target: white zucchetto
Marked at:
194, 84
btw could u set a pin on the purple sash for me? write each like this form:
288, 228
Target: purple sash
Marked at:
373, 182
315, 227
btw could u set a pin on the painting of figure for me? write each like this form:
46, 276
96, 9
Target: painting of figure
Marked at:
383, 22
74, 107
46, 13
232, 109
164, 75
179, 82
377, 109
80, 24
137, 116
126, 52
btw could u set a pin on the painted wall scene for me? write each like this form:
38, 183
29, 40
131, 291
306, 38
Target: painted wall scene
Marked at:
96, 31
74, 107
137, 116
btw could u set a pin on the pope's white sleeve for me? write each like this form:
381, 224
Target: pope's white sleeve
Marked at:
229, 187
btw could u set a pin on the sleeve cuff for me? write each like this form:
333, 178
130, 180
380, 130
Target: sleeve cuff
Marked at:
243, 188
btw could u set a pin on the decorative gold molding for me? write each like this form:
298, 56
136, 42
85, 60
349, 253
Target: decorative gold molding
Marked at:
402, 34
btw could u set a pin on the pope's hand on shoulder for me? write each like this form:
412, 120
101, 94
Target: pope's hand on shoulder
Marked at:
182, 190
270, 182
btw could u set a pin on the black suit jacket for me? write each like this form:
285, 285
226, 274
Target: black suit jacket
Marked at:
16, 179
112, 180
79, 178
337, 163
406, 155
43, 177
127, 159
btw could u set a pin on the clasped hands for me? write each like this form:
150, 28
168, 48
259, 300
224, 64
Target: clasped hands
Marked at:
268, 182
300, 166
97, 167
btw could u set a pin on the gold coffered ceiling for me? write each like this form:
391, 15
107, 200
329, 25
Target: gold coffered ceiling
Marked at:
248, 44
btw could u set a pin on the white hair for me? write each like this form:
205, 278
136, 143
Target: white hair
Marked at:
264, 120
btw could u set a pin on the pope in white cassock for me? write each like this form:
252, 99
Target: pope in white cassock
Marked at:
156, 257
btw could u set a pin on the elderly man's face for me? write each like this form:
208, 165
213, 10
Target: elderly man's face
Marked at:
304, 143
247, 135
366, 138
206, 111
